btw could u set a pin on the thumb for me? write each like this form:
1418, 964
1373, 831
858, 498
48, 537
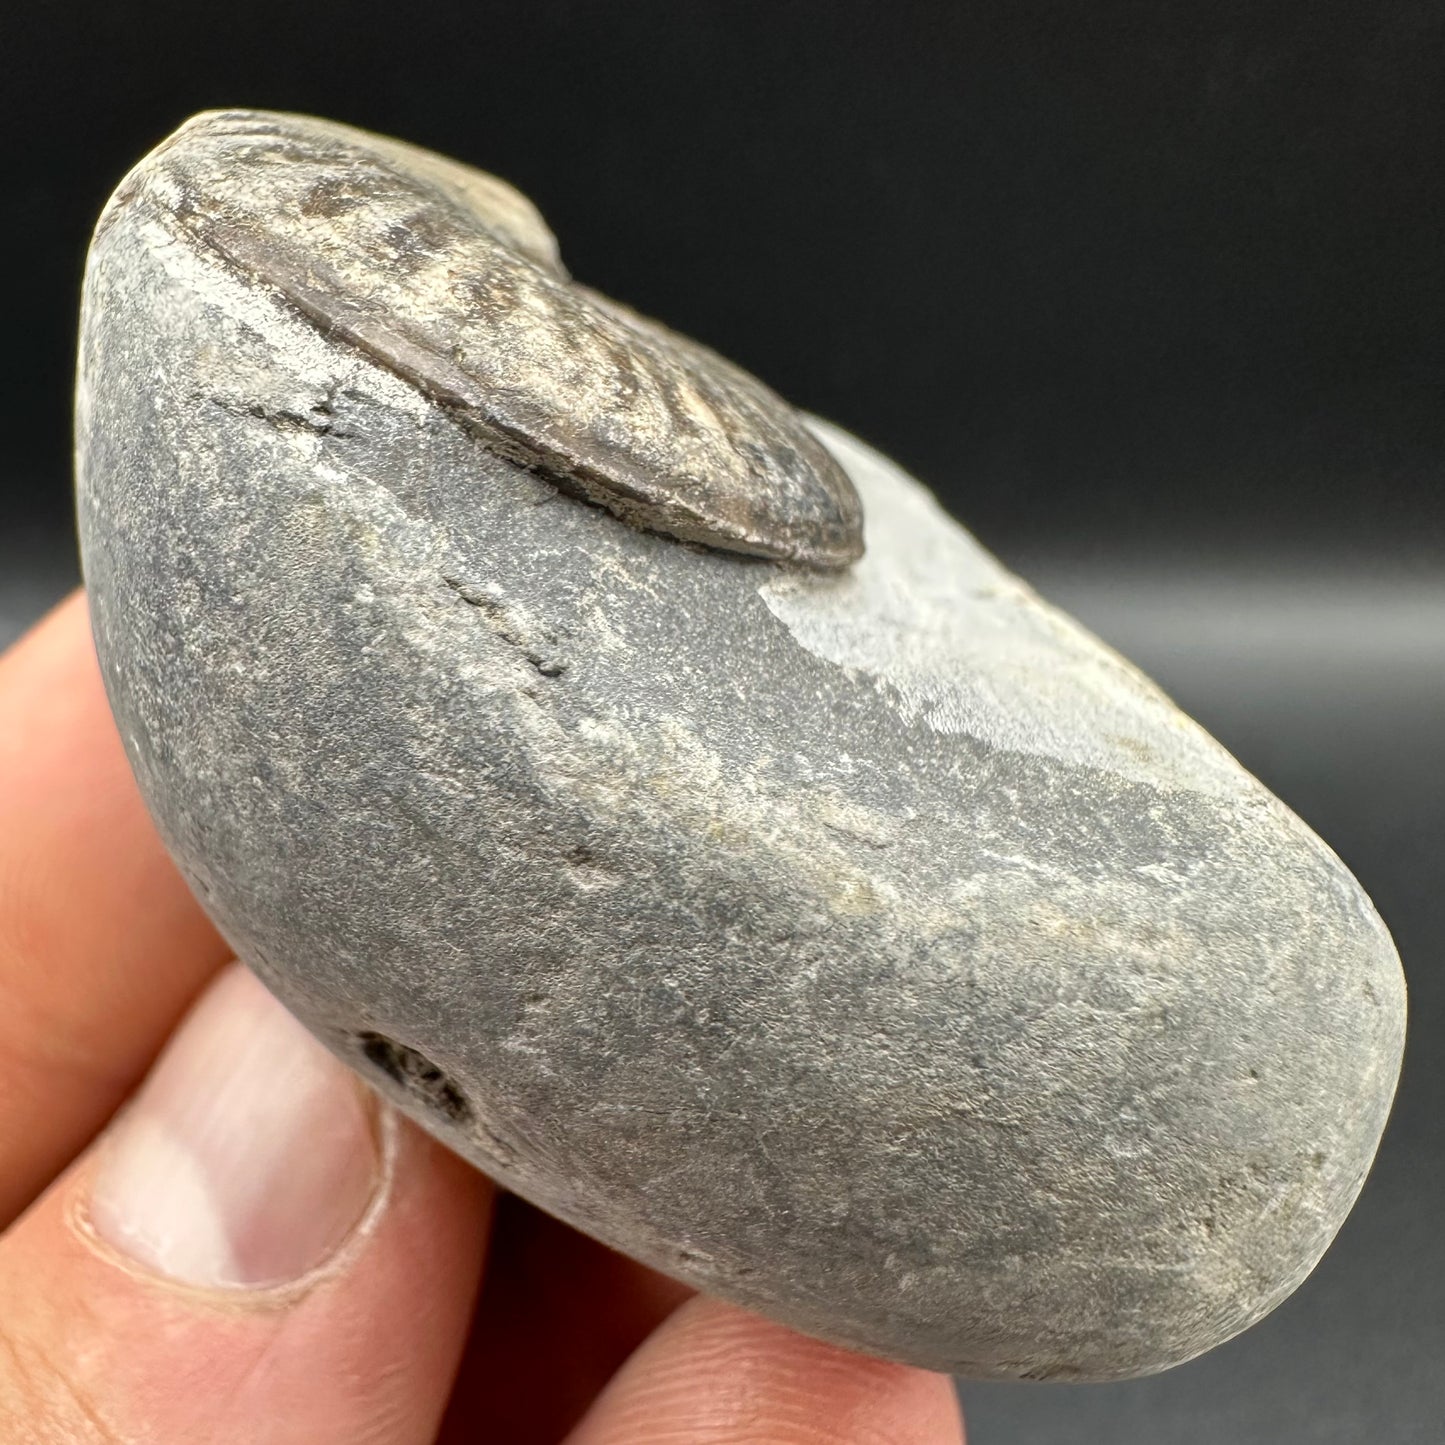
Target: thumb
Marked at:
256, 1251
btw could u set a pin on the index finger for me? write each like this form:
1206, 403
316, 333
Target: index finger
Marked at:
713, 1373
101, 944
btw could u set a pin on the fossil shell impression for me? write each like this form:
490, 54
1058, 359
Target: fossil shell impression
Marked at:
450, 280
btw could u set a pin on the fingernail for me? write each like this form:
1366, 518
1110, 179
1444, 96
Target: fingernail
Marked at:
248, 1155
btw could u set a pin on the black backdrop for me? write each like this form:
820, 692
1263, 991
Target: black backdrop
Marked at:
1151, 292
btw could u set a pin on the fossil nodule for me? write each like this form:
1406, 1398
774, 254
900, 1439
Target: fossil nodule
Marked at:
865, 943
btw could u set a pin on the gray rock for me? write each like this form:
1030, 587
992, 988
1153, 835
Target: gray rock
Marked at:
873, 948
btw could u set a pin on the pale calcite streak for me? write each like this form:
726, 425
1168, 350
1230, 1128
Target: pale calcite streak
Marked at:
1001, 665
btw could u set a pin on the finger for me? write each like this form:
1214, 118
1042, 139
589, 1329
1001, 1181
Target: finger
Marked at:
559, 1313
254, 1252
101, 944
714, 1375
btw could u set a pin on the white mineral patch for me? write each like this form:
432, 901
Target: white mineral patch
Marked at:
954, 639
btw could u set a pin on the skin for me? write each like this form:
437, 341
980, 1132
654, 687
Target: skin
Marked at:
511, 1326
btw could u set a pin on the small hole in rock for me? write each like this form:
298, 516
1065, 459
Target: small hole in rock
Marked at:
416, 1073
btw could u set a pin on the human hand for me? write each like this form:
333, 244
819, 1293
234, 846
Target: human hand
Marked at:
255, 1250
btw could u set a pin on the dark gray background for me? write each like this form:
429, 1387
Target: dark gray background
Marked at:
1152, 293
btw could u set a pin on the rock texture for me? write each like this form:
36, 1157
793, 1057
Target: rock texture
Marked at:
873, 948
